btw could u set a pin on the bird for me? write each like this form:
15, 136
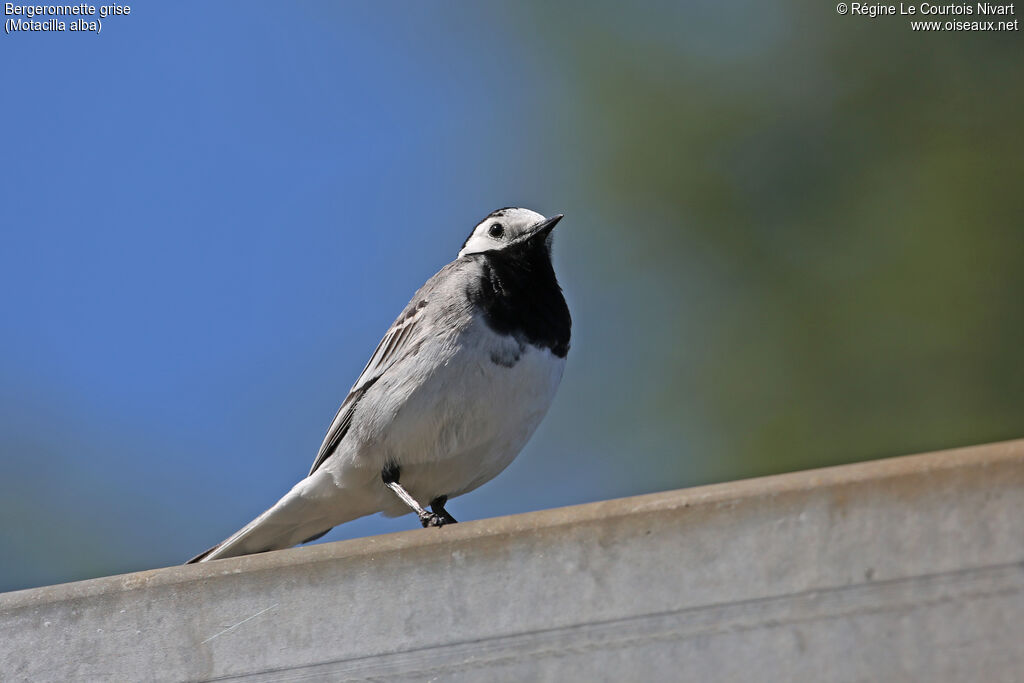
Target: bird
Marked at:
448, 399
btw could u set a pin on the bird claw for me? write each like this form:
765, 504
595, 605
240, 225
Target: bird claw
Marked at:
428, 519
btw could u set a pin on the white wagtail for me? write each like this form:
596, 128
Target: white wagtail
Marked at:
451, 395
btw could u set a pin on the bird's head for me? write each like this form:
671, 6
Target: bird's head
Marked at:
508, 227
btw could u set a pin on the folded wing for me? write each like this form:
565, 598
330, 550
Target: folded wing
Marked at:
405, 333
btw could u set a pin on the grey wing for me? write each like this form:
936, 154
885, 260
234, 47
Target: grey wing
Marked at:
402, 336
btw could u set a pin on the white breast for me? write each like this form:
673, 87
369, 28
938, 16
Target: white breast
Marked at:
456, 418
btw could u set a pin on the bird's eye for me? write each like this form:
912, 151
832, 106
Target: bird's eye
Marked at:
496, 230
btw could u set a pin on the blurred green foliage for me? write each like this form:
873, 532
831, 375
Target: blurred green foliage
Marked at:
831, 209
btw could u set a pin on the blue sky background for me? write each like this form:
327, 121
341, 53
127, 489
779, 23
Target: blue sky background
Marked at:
212, 211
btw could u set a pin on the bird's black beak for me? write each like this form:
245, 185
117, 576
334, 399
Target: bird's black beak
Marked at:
544, 227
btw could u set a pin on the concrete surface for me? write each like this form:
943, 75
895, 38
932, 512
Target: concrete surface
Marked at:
909, 569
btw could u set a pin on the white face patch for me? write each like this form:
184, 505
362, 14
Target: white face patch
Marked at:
499, 229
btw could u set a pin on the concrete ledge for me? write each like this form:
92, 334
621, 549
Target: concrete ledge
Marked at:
903, 569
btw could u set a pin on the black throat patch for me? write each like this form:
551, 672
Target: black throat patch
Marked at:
520, 296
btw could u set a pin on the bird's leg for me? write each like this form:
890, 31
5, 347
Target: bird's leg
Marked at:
389, 475
437, 507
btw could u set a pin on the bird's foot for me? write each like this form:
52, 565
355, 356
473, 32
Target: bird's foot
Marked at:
437, 507
437, 517
428, 519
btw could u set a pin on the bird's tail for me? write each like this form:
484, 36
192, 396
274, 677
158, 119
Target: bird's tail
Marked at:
300, 516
